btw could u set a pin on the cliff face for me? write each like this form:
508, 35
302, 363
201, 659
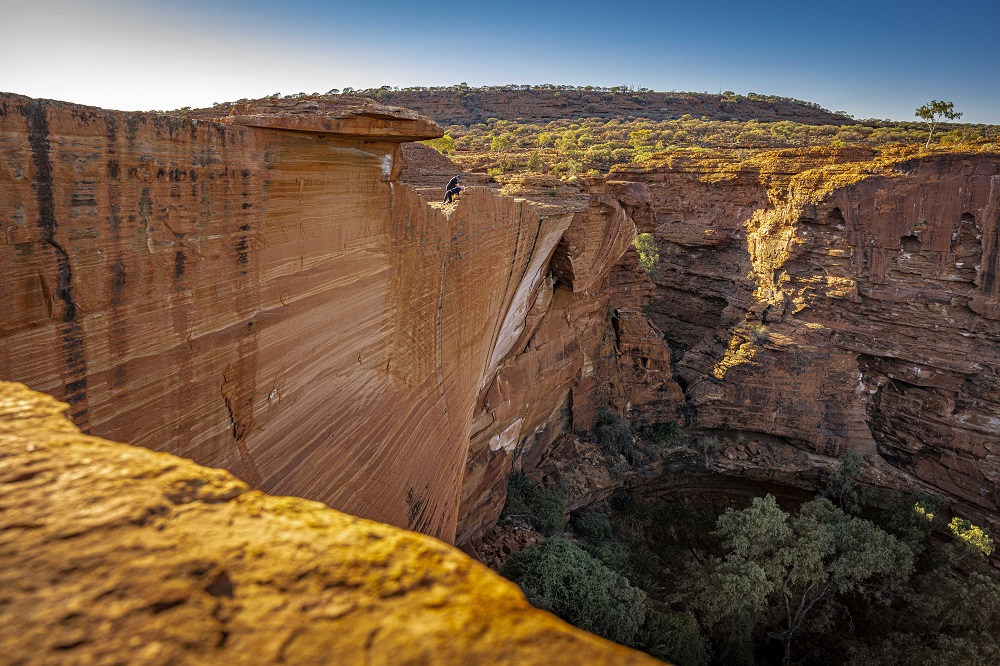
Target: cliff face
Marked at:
254, 287
835, 300
259, 293
114, 554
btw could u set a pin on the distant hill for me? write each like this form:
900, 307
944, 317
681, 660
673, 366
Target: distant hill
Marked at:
462, 105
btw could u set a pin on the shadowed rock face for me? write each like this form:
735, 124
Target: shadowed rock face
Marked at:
829, 301
111, 553
271, 301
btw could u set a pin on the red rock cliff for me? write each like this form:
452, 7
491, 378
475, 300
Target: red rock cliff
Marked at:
256, 291
831, 300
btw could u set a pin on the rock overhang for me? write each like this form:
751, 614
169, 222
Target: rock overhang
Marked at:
341, 115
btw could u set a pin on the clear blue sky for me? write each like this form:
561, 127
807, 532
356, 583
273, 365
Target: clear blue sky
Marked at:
870, 59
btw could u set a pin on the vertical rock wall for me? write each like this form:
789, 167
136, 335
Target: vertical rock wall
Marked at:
261, 294
833, 301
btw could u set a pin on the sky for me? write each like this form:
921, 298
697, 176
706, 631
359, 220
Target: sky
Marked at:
870, 59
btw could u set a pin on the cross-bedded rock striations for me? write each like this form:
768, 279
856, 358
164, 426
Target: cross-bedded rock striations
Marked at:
112, 554
258, 292
828, 300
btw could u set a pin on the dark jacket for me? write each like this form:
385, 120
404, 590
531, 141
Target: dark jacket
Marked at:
452, 184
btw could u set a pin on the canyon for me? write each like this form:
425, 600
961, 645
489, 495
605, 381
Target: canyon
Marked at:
271, 287
831, 300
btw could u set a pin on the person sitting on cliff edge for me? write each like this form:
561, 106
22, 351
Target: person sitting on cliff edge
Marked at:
452, 188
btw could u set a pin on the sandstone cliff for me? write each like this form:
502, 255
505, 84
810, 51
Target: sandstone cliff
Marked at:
257, 292
826, 300
255, 287
112, 554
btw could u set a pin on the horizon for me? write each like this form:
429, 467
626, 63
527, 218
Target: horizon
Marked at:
868, 60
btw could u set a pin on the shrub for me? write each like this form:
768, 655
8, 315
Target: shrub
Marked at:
560, 577
675, 637
649, 256
614, 435
631, 512
592, 526
534, 162
444, 145
759, 335
543, 508
662, 434
594, 530
972, 536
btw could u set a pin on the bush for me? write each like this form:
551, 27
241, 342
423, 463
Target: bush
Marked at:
534, 162
661, 434
543, 508
594, 530
649, 255
614, 435
675, 637
560, 577
759, 335
592, 526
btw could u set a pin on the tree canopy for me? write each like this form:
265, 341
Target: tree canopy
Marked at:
934, 111
784, 571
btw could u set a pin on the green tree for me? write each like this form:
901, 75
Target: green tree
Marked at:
535, 162
943, 618
842, 486
500, 144
558, 576
649, 255
783, 573
934, 112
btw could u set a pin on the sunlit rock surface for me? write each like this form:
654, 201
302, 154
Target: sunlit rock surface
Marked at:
113, 554
261, 294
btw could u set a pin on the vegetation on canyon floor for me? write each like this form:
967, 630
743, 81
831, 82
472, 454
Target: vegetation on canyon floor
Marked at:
847, 577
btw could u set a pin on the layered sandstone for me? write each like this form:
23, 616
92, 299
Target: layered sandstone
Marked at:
585, 347
828, 300
113, 554
258, 292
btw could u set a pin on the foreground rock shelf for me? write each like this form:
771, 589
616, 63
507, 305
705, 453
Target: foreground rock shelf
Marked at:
113, 554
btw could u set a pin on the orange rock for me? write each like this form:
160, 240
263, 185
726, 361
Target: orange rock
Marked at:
113, 553
265, 300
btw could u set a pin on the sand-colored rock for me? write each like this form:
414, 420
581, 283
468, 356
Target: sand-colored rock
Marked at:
113, 554
573, 359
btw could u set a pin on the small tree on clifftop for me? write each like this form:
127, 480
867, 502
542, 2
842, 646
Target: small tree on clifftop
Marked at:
934, 112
